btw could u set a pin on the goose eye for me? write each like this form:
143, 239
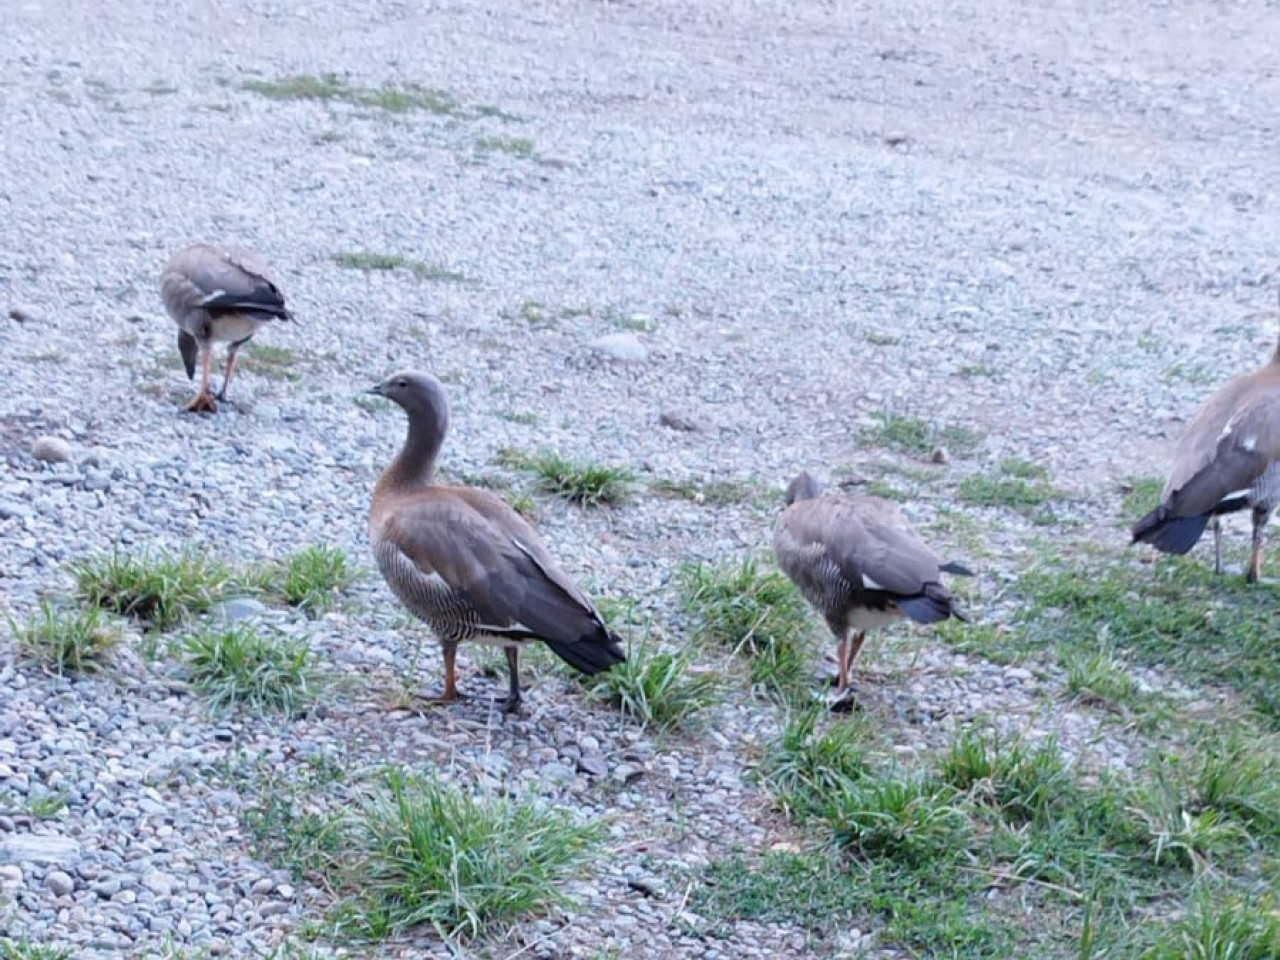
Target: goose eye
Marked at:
402, 383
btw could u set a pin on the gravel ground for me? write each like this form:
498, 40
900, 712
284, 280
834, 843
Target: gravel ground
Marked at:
1055, 224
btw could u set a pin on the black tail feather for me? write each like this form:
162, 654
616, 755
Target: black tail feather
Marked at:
931, 605
591, 654
1170, 534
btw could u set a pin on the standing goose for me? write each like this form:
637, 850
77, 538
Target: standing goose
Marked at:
465, 562
217, 294
860, 563
1227, 459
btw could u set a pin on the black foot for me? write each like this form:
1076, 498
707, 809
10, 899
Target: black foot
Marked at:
844, 701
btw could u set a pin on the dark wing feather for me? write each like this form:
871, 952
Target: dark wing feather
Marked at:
218, 280
486, 552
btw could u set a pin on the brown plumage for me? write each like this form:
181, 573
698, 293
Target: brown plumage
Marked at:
1227, 459
217, 295
465, 562
861, 565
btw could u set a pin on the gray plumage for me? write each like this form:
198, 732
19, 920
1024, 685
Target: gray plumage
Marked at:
217, 295
1227, 459
465, 562
860, 564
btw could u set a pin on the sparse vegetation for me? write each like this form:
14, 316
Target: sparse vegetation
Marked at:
521, 147
716, 493
1141, 495
586, 484
1018, 485
312, 579
66, 641
657, 688
425, 853
26, 950
331, 87
755, 613
919, 438
806, 766
274, 363
238, 665
393, 261
159, 589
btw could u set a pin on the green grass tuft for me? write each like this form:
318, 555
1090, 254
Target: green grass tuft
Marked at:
1018, 485
331, 87
393, 261
805, 767
426, 853
26, 950
521, 147
584, 484
657, 688
1221, 929
65, 641
237, 665
756, 613
159, 589
911, 821
919, 438
1021, 783
313, 579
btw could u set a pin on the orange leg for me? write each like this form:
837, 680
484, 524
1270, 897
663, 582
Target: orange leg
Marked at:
847, 651
232, 351
203, 401
1255, 559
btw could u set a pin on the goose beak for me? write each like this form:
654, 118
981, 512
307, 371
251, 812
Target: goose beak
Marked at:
376, 390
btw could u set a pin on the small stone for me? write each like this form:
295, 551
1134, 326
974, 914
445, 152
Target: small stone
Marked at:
621, 346
263, 887
106, 889
59, 883
10, 509
674, 420
51, 450
940, 455
26, 313
649, 886
237, 609
593, 765
39, 849
625, 773
10, 876
159, 883
896, 139
96, 479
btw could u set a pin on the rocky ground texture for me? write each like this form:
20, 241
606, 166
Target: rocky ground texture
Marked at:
706, 242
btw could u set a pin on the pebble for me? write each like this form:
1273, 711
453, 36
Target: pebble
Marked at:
10, 876
236, 609
674, 420
621, 346
593, 765
26, 313
59, 883
41, 848
52, 450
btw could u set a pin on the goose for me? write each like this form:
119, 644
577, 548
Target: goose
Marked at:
1227, 459
857, 560
461, 559
217, 295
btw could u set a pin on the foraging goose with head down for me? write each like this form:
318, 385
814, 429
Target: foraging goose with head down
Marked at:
861, 565
1227, 459
217, 294
465, 562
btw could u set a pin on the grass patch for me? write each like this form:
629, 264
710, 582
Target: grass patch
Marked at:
1018, 485
1176, 615
288, 822
755, 613
313, 579
996, 642
26, 950
159, 589
1020, 782
1100, 678
238, 665
1141, 496
274, 363
521, 147
584, 484
331, 87
716, 493
806, 766
433, 272
66, 641
1223, 928
657, 688
919, 438
429, 854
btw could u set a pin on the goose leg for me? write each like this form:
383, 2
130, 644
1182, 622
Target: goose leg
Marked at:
1217, 545
1255, 559
232, 351
203, 401
512, 703
450, 695
846, 652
